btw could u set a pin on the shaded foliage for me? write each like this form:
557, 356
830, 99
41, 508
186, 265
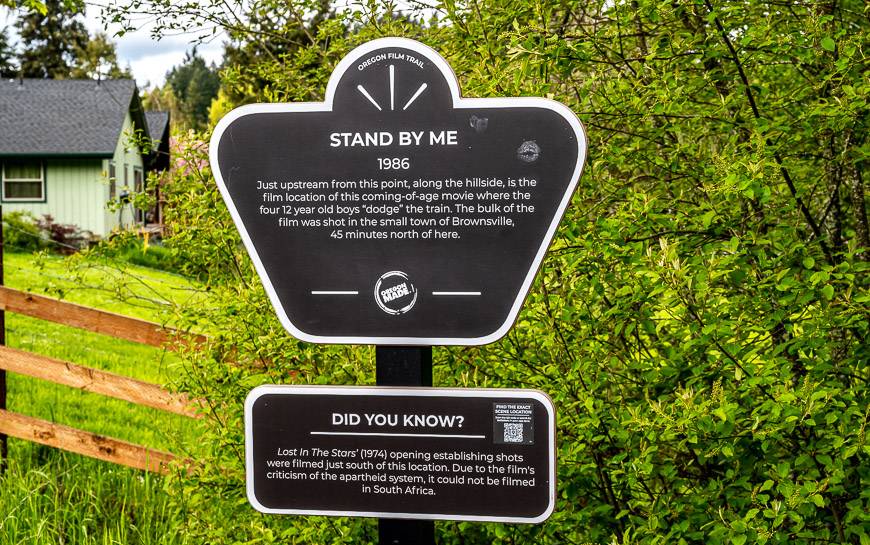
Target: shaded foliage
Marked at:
8, 67
50, 40
163, 99
195, 85
55, 44
21, 232
701, 319
272, 39
98, 59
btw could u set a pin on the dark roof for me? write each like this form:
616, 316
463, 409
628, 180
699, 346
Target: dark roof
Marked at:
64, 117
158, 129
157, 124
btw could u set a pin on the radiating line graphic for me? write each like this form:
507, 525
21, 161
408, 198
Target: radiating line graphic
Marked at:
366, 94
413, 98
334, 292
460, 293
392, 87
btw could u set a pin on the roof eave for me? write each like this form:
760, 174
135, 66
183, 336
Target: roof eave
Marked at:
59, 155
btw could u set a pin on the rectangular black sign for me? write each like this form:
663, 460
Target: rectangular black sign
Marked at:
416, 453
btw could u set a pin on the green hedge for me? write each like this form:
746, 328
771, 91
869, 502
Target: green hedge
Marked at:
701, 320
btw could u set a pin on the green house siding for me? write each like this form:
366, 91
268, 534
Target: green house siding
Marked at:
127, 158
77, 189
75, 193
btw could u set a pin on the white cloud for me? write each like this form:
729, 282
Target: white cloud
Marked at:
151, 59
150, 69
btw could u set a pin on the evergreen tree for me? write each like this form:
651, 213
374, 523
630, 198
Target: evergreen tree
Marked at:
7, 56
51, 40
195, 85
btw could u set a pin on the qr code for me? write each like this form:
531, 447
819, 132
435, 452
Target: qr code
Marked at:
513, 432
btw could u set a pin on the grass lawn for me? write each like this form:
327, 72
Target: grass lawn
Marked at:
50, 496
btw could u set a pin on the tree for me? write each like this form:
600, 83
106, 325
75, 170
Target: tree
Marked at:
701, 319
98, 59
8, 69
220, 106
256, 63
271, 43
195, 85
162, 99
50, 40
38, 6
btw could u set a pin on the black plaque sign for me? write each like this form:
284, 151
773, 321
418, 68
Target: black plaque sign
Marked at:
416, 453
396, 211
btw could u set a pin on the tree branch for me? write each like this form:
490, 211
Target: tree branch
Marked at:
817, 233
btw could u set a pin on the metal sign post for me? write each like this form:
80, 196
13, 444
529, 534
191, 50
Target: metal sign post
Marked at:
404, 366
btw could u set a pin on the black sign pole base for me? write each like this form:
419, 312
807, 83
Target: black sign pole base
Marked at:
404, 366
406, 532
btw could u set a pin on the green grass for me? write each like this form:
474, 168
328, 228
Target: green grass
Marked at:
51, 496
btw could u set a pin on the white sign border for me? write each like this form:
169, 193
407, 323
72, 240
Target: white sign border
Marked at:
458, 103
391, 391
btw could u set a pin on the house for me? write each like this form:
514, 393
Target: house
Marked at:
68, 147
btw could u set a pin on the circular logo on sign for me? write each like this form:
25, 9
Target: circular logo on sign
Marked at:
395, 293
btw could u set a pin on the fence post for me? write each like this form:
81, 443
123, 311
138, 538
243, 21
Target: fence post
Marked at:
4, 441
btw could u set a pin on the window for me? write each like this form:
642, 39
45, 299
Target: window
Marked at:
137, 187
23, 181
137, 179
113, 178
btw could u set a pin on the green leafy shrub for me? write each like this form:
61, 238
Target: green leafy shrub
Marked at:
153, 256
132, 248
21, 232
702, 319
64, 238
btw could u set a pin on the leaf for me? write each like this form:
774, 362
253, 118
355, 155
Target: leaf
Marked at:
828, 43
828, 292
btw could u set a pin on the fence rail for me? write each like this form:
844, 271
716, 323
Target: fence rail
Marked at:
91, 380
83, 442
91, 319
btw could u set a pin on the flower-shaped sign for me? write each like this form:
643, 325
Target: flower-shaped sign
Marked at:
396, 211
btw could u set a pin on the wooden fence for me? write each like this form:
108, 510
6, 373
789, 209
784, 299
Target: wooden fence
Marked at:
87, 379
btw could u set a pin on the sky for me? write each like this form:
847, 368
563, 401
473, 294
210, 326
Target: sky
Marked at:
149, 59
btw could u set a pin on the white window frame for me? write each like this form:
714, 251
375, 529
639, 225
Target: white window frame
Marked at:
41, 180
138, 187
112, 172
